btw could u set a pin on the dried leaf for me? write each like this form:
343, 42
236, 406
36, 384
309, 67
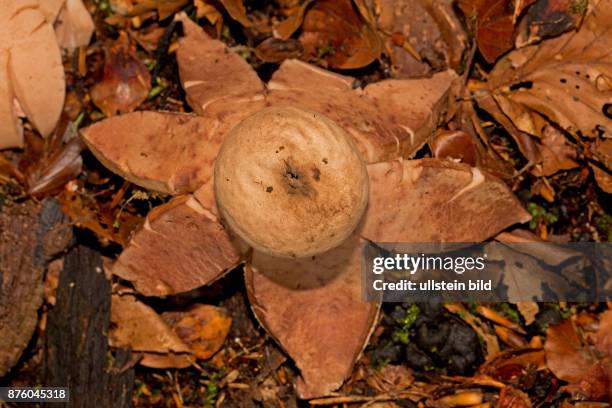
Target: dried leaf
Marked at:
85, 212
571, 358
566, 79
334, 32
510, 397
180, 247
202, 327
137, 326
492, 24
528, 310
236, 10
39, 87
454, 145
74, 25
550, 18
416, 201
603, 178
556, 153
422, 36
314, 309
126, 82
566, 354
66, 166
276, 51
165, 8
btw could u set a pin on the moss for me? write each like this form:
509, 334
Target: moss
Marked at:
510, 312
539, 214
402, 333
579, 7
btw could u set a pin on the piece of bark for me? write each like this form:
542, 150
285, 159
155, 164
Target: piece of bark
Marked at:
29, 235
432, 200
76, 347
180, 247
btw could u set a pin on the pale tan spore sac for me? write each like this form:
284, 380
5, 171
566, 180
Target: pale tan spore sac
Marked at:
290, 182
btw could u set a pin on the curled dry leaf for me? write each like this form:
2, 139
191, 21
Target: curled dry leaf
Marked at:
334, 33
454, 145
181, 246
421, 36
74, 25
126, 81
566, 79
39, 88
550, 18
65, 166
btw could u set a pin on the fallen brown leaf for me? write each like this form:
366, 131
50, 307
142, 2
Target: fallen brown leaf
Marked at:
492, 24
333, 32
202, 327
126, 81
421, 36
567, 79
556, 153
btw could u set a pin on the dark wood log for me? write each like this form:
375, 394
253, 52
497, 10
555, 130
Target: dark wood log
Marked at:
77, 352
30, 234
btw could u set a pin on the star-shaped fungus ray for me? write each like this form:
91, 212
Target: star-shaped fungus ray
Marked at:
314, 308
26, 36
311, 306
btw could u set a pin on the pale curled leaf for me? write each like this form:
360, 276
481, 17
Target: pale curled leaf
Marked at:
431, 200
26, 36
180, 247
74, 26
314, 309
567, 79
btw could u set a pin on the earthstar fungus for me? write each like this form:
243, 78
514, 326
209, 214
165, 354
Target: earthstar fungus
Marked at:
311, 305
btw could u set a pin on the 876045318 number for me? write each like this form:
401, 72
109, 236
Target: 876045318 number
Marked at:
34, 394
